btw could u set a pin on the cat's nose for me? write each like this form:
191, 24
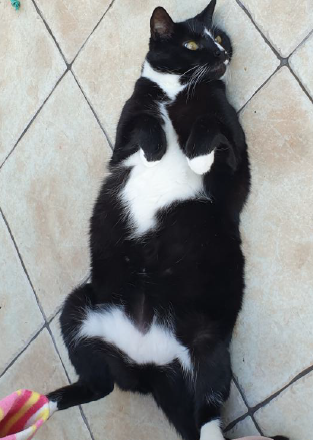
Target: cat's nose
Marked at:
217, 53
220, 55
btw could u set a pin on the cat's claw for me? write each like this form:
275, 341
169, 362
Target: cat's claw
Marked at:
147, 163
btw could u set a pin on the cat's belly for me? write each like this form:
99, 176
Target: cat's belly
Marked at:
158, 345
150, 189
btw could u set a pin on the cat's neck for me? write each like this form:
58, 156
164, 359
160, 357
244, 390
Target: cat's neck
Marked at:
168, 82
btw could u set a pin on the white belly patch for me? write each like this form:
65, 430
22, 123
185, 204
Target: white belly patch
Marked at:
150, 189
158, 346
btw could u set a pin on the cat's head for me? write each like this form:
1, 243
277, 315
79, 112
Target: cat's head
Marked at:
192, 47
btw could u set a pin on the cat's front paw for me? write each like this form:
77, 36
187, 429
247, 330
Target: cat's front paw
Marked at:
201, 164
200, 146
150, 137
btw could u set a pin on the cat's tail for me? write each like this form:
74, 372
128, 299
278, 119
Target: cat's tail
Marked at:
75, 394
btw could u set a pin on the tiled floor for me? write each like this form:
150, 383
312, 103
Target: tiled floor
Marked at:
66, 68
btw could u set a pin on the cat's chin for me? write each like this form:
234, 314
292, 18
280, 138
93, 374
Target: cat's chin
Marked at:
219, 70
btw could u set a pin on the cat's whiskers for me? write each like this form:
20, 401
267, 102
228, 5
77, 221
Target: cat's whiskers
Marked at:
195, 79
192, 79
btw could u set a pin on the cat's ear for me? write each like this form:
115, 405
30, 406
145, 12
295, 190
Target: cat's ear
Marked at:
161, 24
207, 14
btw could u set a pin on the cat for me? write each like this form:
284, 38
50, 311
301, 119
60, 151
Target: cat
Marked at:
167, 269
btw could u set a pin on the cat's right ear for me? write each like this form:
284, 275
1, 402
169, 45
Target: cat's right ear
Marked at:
207, 14
161, 24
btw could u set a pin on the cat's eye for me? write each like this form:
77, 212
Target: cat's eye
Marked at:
218, 39
191, 45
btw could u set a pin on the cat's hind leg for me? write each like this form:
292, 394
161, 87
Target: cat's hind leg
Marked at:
75, 394
172, 394
212, 386
87, 356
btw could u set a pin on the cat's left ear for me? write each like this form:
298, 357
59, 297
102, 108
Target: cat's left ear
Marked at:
207, 14
161, 24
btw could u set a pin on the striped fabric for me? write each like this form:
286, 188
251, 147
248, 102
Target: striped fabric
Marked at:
24, 411
21, 414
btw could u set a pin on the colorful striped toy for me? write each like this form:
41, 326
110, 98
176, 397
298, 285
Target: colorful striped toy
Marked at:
21, 414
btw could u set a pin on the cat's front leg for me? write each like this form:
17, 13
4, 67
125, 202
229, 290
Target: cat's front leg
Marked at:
150, 137
206, 137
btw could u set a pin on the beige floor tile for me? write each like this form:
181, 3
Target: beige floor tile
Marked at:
252, 64
290, 413
72, 22
285, 23
274, 337
301, 64
128, 416
244, 428
20, 317
234, 407
112, 55
56, 331
54, 174
39, 369
29, 68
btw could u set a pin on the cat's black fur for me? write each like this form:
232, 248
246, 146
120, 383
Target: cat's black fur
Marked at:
191, 265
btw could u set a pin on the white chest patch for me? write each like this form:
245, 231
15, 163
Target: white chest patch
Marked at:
168, 82
158, 346
150, 189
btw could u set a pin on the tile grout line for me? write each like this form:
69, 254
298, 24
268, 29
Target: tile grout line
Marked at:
250, 412
23, 265
299, 376
261, 86
59, 308
53, 316
93, 30
256, 425
93, 111
33, 118
46, 322
23, 350
86, 422
267, 41
300, 84
232, 424
84, 418
300, 44
49, 30
69, 65
246, 11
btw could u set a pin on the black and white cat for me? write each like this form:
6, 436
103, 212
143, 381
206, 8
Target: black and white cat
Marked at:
167, 267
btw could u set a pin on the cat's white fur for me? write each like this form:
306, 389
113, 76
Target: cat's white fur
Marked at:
158, 346
209, 33
211, 431
53, 406
169, 82
150, 189
201, 164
